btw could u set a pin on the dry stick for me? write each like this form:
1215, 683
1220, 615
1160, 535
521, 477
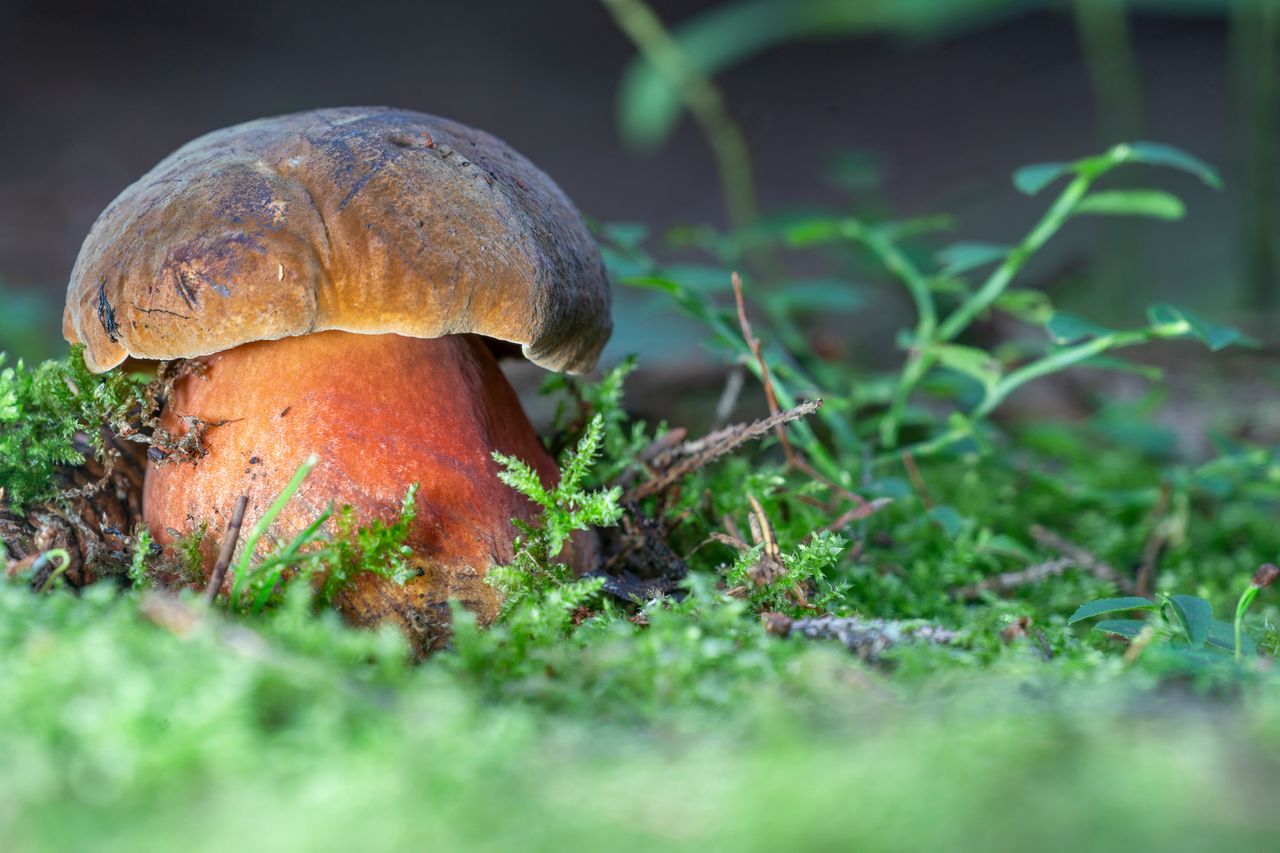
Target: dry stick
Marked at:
702, 451
729, 396
229, 540
795, 461
1009, 580
1044, 644
857, 513
1082, 557
753, 344
917, 481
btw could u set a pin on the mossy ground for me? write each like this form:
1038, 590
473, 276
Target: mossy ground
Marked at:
132, 721
125, 728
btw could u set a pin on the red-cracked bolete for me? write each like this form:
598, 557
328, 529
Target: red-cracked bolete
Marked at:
346, 276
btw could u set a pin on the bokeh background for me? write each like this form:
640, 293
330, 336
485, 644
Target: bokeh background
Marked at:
904, 107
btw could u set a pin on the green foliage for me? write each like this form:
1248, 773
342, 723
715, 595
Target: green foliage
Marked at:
947, 305
567, 507
622, 439
44, 409
1186, 620
377, 547
797, 571
118, 722
142, 552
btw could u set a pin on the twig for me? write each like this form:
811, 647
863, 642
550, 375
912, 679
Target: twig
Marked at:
1082, 557
857, 513
1009, 580
729, 396
229, 540
702, 451
753, 344
917, 481
868, 638
1044, 645
795, 461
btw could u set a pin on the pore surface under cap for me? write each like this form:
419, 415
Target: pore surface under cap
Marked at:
362, 219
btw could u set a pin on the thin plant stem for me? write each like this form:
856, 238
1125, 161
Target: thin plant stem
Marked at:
1242, 606
703, 100
251, 543
1262, 578
61, 555
1255, 32
923, 357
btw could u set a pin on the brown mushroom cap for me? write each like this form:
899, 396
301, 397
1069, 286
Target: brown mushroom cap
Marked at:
368, 220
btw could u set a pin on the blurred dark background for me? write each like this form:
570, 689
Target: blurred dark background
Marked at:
921, 105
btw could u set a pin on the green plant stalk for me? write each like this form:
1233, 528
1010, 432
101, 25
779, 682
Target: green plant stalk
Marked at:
50, 556
696, 306
1242, 606
703, 99
271, 570
1255, 34
995, 285
921, 295
1052, 363
900, 265
250, 544
1103, 28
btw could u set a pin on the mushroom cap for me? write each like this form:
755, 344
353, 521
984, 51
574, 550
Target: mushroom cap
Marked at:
361, 219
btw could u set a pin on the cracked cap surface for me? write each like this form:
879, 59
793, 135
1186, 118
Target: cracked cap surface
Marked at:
369, 220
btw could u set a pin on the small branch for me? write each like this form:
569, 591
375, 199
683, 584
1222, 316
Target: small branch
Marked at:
701, 452
1082, 558
729, 396
868, 638
917, 481
1044, 644
229, 540
856, 513
753, 344
1010, 580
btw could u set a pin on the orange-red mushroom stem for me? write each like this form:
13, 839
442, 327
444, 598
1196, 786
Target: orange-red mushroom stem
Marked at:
381, 412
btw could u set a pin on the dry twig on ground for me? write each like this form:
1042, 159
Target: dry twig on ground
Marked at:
867, 638
1083, 558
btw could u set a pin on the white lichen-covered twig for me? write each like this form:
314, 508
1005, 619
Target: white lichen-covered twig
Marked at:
869, 639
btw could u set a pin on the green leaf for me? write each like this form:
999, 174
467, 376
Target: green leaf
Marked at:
1222, 635
1127, 628
971, 361
1159, 154
1111, 605
628, 234
700, 277
1031, 179
812, 232
1066, 328
1119, 365
816, 294
962, 257
1030, 306
949, 519
1156, 204
1212, 335
1195, 615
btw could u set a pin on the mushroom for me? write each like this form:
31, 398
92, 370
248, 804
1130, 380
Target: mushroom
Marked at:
348, 278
